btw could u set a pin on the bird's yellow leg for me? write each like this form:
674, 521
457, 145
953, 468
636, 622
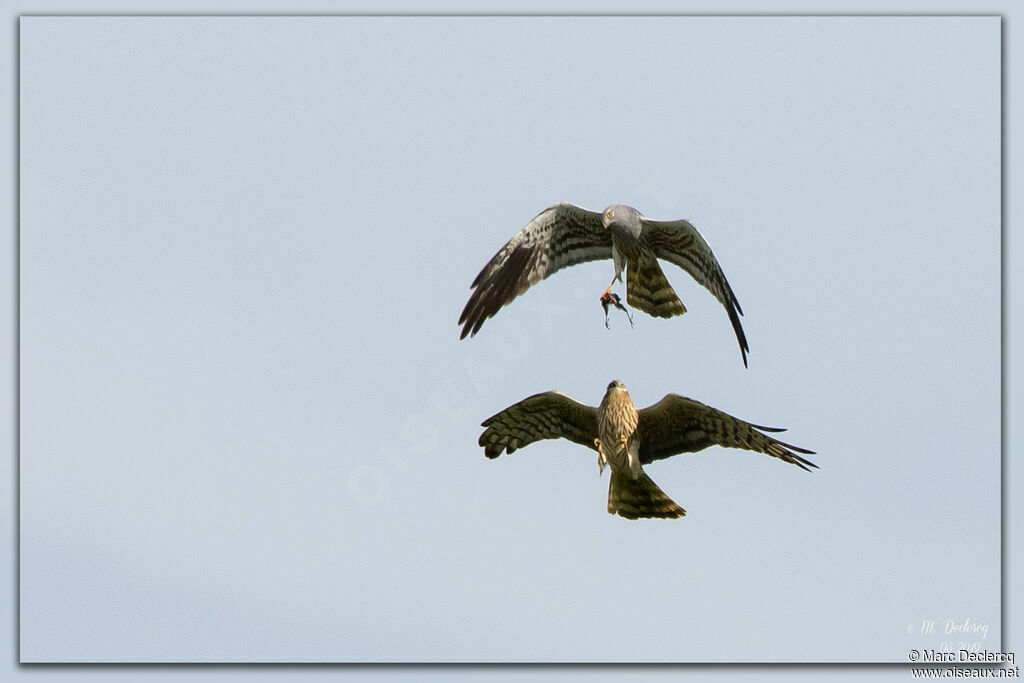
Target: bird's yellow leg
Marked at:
623, 440
617, 278
602, 460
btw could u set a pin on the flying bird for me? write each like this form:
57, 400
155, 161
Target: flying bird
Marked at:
626, 439
565, 234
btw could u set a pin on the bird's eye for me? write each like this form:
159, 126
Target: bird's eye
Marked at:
607, 214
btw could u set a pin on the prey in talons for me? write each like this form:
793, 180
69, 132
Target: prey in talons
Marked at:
610, 298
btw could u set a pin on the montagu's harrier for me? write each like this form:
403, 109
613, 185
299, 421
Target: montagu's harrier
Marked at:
564, 234
626, 439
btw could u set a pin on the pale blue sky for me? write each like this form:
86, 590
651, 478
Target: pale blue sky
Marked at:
231, 230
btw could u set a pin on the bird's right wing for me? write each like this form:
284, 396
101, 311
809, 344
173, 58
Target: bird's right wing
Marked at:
677, 424
559, 236
680, 243
550, 415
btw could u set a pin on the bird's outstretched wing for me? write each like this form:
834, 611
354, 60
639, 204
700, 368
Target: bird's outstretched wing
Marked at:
559, 236
677, 424
679, 242
550, 415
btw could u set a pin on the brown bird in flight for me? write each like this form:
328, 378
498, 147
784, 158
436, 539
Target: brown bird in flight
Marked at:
626, 439
565, 234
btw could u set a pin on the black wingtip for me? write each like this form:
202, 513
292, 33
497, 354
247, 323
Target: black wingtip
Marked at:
768, 429
802, 463
733, 309
500, 287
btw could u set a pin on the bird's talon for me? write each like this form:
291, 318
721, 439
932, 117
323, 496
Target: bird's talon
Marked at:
601, 460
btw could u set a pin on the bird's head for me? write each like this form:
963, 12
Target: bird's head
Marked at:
616, 385
622, 218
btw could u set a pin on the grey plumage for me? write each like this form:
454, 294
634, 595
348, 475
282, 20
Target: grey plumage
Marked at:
565, 234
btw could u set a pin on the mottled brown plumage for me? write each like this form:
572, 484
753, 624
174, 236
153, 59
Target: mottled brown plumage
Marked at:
626, 439
639, 498
564, 234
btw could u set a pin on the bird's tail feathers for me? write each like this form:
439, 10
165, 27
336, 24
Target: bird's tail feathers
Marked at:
640, 497
648, 289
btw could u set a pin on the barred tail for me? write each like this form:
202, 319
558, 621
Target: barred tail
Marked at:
648, 289
640, 497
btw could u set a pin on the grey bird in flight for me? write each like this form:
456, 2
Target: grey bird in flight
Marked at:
626, 439
565, 234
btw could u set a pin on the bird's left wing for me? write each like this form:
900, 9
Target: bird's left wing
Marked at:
550, 415
677, 424
559, 236
680, 243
